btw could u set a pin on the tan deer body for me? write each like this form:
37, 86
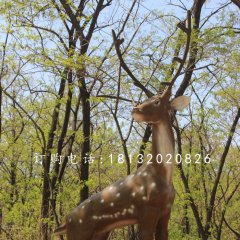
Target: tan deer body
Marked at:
143, 198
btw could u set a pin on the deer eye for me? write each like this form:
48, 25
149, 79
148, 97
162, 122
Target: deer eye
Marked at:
157, 101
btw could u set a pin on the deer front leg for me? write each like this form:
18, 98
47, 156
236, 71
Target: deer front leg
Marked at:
165, 212
148, 222
162, 227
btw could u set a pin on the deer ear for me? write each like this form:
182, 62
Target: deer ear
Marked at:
180, 103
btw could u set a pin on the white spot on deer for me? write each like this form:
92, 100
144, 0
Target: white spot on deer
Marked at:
133, 194
83, 206
102, 200
94, 217
145, 174
80, 221
144, 198
118, 195
124, 211
141, 188
69, 219
111, 204
132, 206
121, 183
153, 185
130, 210
139, 173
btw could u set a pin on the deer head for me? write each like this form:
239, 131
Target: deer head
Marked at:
158, 107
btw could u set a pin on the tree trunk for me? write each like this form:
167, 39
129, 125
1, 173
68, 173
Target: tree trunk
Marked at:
84, 171
186, 225
57, 165
219, 173
1, 221
47, 161
45, 207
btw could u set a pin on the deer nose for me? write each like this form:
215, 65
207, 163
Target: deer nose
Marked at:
136, 110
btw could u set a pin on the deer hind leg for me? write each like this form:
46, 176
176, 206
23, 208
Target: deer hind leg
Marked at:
148, 222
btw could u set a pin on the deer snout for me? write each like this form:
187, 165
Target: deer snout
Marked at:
136, 110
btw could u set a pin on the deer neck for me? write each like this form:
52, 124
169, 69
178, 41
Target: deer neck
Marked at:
162, 145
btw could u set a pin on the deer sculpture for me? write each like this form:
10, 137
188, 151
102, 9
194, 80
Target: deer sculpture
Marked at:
144, 197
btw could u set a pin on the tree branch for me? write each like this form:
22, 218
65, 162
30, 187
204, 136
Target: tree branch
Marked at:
196, 13
117, 43
219, 173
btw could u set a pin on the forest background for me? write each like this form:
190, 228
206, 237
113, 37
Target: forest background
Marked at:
63, 92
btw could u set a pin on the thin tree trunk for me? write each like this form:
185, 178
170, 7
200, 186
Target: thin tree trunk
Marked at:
47, 161
85, 94
84, 171
196, 15
60, 144
186, 229
219, 173
1, 78
186, 186
1, 221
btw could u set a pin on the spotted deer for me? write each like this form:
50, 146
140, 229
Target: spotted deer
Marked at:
144, 197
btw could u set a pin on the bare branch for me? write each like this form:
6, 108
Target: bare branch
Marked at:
27, 114
196, 12
182, 61
117, 43
114, 97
